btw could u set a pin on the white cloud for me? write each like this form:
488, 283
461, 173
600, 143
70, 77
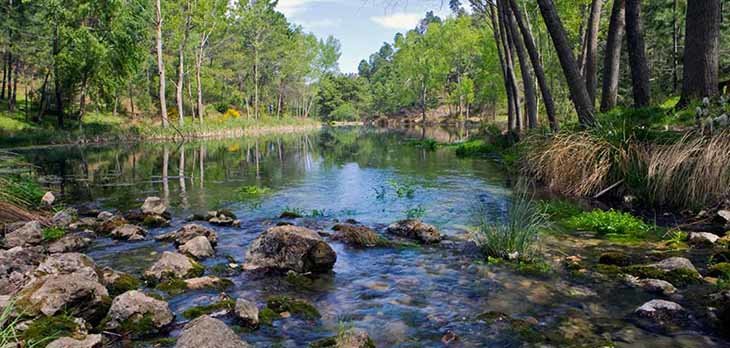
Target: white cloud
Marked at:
291, 7
321, 23
398, 20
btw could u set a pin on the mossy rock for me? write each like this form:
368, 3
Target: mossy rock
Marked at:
172, 287
139, 326
678, 277
122, 284
280, 304
43, 330
267, 316
720, 270
614, 258
194, 312
290, 215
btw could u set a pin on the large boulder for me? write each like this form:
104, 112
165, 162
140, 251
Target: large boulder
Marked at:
137, 312
173, 265
129, 232
68, 263
416, 230
188, 232
64, 217
357, 236
209, 332
69, 243
30, 234
90, 341
247, 312
154, 206
656, 286
109, 223
16, 268
198, 247
285, 248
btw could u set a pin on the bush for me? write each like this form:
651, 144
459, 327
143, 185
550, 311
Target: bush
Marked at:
611, 224
344, 112
515, 238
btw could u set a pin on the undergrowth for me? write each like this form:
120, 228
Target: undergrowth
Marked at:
611, 224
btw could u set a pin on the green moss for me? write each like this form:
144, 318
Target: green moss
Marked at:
194, 312
196, 271
614, 258
537, 268
720, 270
173, 287
53, 233
291, 214
45, 329
678, 277
154, 221
298, 280
139, 326
267, 316
122, 284
280, 304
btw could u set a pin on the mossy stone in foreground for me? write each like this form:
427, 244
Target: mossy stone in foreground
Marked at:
44, 329
122, 284
720, 270
194, 312
678, 277
173, 287
280, 304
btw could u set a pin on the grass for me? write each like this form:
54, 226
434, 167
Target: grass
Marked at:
53, 233
8, 336
252, 191
21, 191
611, 224
43, 330
515, 238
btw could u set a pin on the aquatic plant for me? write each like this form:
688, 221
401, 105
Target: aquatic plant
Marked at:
612, 224
403, 189
380, 192
53, 233
280, 304
226, 304
252, 191
560, 209
517, 237
416, 212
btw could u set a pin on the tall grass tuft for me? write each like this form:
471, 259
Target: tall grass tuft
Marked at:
515, 237
8, 336
693, 172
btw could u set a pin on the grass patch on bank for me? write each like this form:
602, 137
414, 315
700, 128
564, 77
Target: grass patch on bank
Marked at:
53, 233
611, 224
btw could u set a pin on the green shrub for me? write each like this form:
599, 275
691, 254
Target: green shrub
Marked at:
610, 224
53, 233
560, 209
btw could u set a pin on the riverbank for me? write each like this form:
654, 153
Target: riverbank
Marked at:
15, 131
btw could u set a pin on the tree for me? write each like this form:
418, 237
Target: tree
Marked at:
637, 54
591, 52
579, 93
160, 62
527, 79
612, 58
701, 50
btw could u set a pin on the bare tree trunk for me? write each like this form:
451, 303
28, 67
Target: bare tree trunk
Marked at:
591, 57
513, 97
13, 83
527, 80
181, 68
612, 58
578, 91
701, 50
42, 101
198, 79
675, 48
496, 31
537, 66
160, 63
57, 78
637, 54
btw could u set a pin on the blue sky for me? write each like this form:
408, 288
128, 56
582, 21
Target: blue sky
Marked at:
361, 25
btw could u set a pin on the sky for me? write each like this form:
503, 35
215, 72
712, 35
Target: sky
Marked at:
361, 25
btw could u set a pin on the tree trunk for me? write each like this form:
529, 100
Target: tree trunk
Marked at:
160, 63
637, 54
57, 78
701, 50
13, 85
591, 57
527, 80
675, 48
612, 58
536, 66
256, 83
42, 101
578, 92
181, 69
198, 80
502, 62
513, 97
5, 74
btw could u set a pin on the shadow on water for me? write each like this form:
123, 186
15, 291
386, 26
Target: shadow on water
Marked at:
405, 297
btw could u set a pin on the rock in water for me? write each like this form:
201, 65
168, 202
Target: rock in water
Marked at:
659, 309
135, 310
209, 333
129, 232
702, 238
188, 232
358, 236
416, 230
354, 338
675, 264
247, 312
284, 248
173, 265
90, 341
30, 234
154, 206
198, 247
48, 199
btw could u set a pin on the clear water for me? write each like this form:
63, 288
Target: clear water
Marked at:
407, 297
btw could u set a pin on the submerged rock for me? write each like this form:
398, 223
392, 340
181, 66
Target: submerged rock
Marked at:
187, 233
416, 230
702, 238
209, 332
154, 206
284, 248
247, 312
136, 313
129, 232
28, 235
614, 258
16, 267
358, 236
173, 265
90, 341
198, 247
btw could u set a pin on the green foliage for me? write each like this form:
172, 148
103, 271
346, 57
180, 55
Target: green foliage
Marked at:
43, 330
416, 212
194, 312
22, 191
53, 233
515, 238
252, 191
560, 209
476, 148
403, 189
611, 224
